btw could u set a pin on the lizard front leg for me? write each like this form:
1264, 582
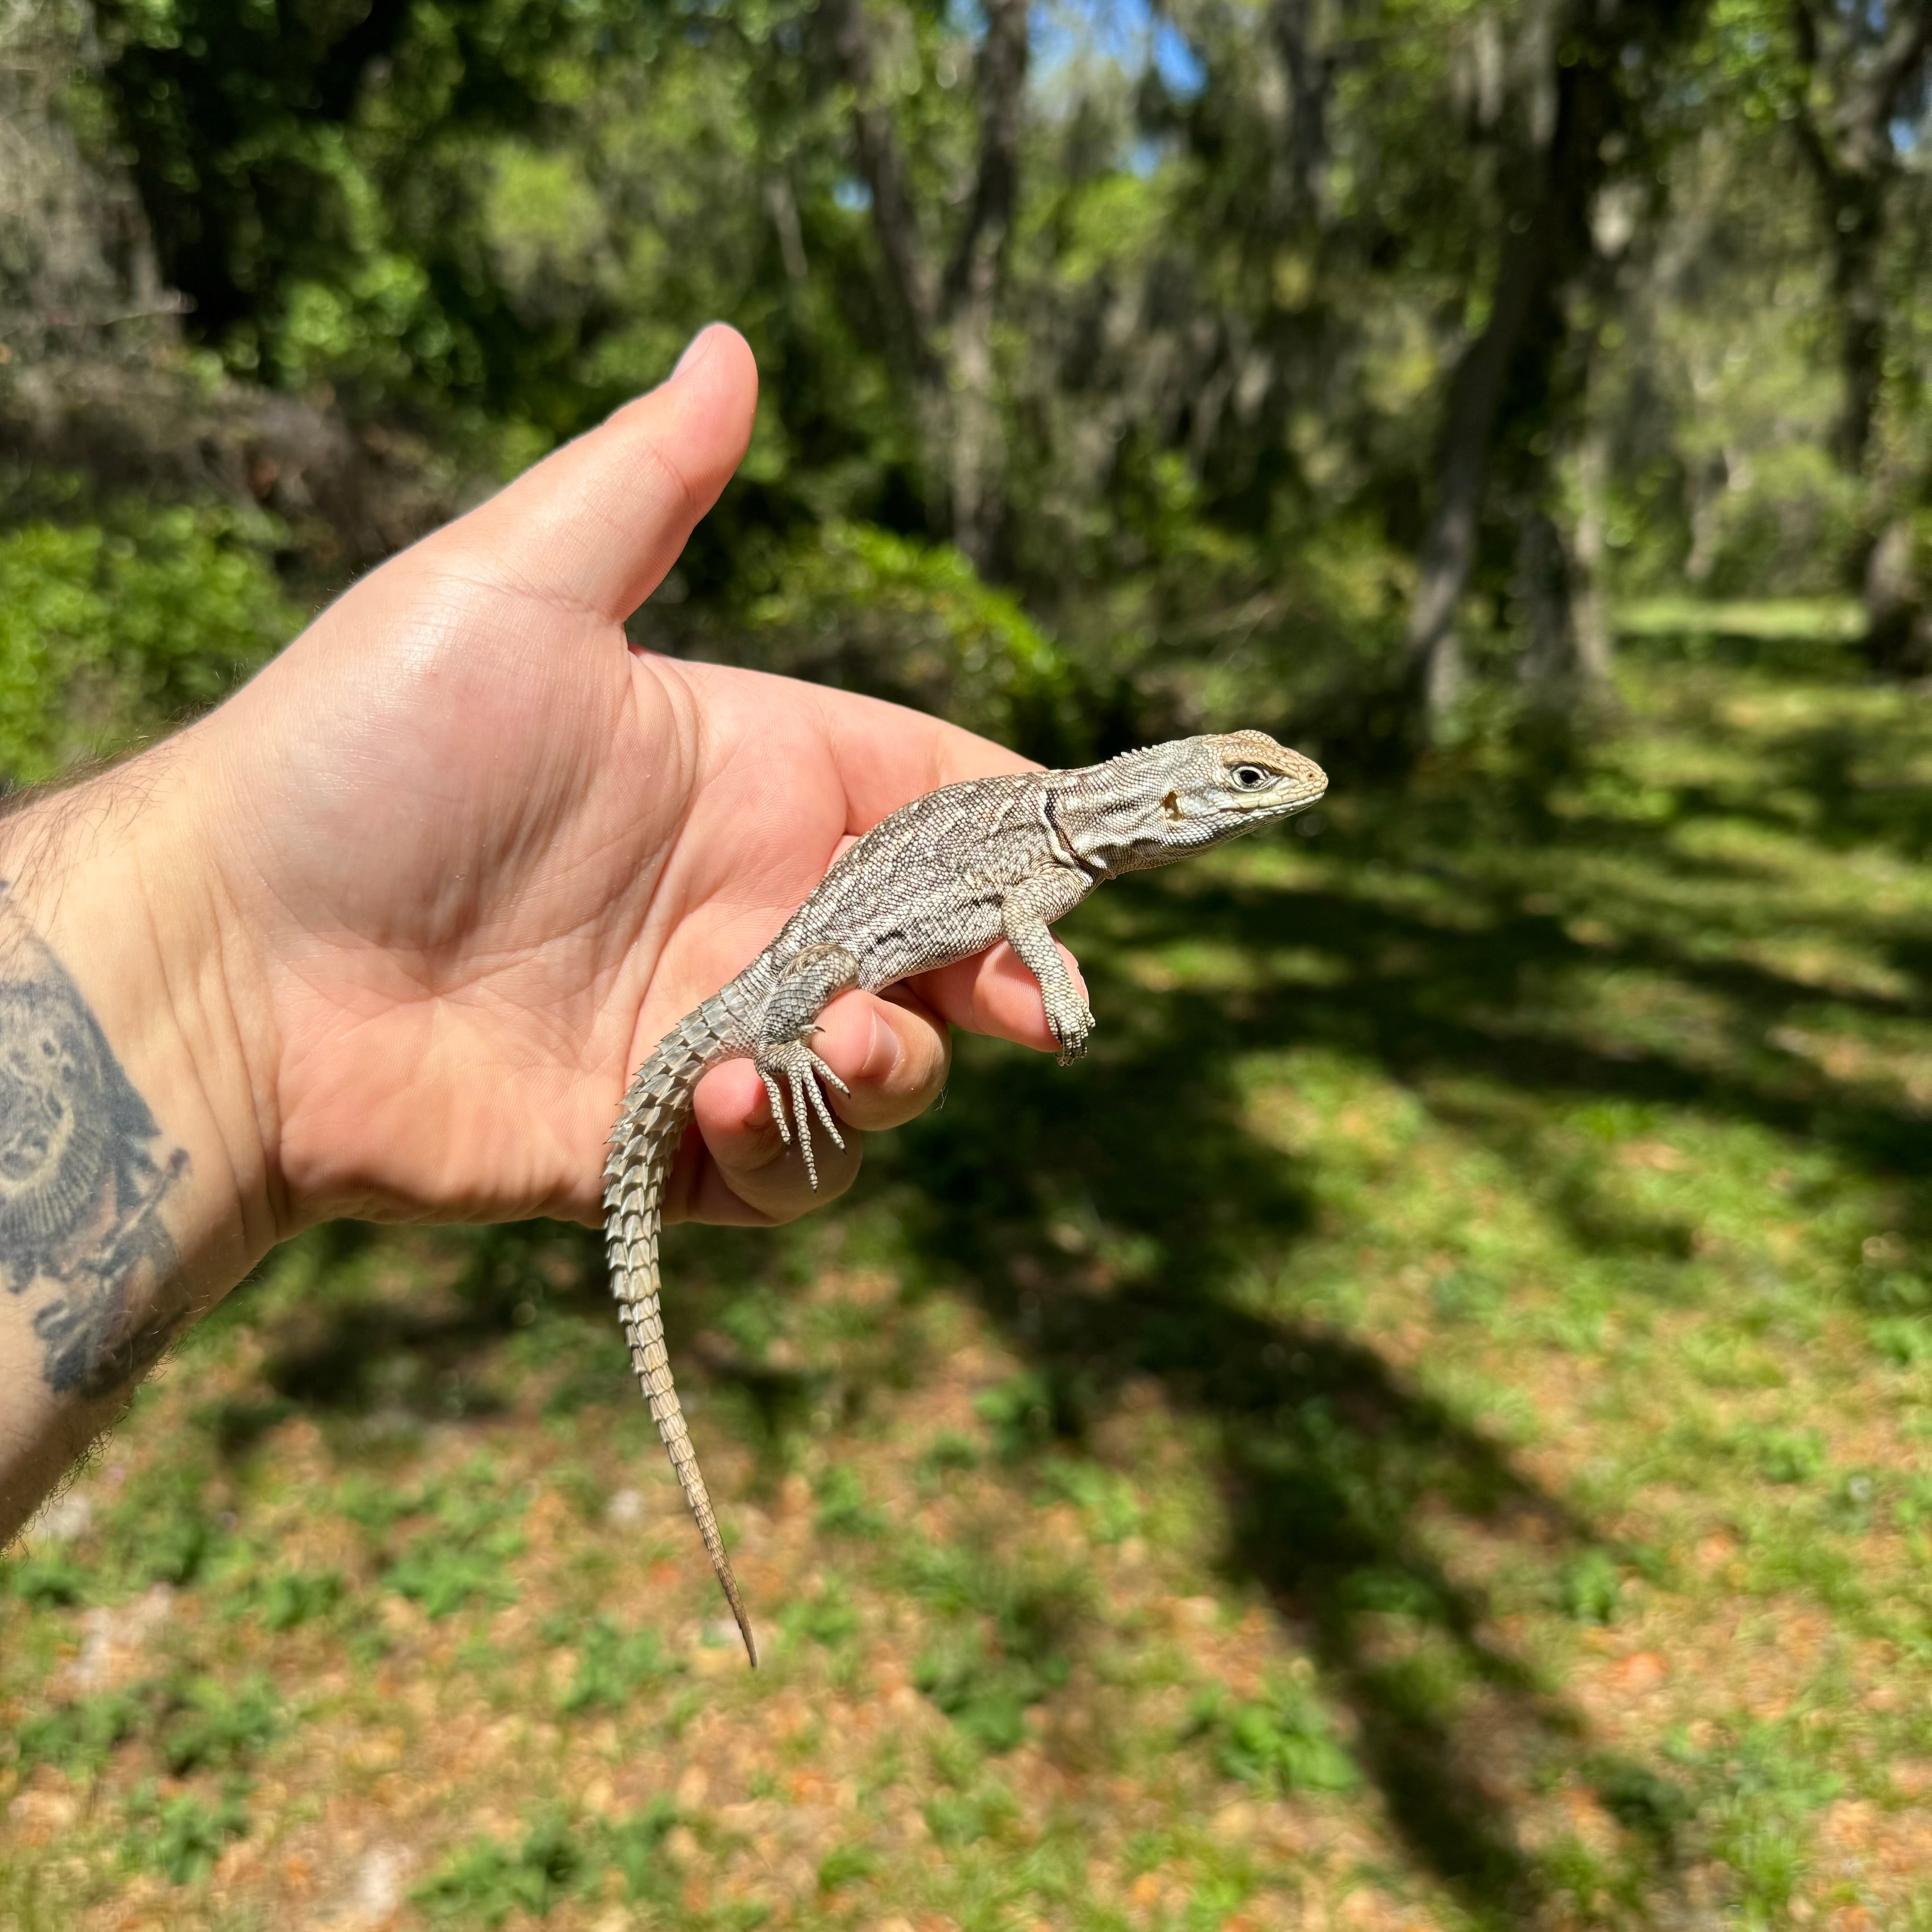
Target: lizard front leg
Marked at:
808, 983
1024, 914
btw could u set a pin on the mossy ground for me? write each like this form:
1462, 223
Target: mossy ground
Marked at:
1426, 1427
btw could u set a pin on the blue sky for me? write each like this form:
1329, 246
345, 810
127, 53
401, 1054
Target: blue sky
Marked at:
1127, 31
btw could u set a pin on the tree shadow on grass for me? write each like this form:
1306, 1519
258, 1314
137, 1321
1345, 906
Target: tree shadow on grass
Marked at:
1330, 1458
369, 1357
352, 1351
1326, 1454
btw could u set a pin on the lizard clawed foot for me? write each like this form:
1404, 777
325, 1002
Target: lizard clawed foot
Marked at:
1070, 1026
801, 1069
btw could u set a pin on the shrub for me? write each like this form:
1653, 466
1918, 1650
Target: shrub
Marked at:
109, 630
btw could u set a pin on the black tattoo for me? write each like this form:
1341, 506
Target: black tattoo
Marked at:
82, 1181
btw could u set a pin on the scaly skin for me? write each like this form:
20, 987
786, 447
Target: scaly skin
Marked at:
943, 878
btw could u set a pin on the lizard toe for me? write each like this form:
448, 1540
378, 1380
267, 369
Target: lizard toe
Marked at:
778, 1105
801, 1070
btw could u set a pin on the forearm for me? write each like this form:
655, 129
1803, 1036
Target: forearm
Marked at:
132, 1193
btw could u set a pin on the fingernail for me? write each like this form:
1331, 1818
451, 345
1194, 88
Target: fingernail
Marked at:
882, 1057
691, 349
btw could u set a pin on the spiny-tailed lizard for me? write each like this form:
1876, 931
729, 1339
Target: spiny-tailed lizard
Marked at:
941, 879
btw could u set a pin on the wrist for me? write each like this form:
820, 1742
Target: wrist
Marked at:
113, 900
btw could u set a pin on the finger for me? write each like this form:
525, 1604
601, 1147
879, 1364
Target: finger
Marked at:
600, 522
735, 1170
993, 993
892, 1055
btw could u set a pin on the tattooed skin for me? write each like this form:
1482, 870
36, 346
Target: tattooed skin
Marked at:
82, 1181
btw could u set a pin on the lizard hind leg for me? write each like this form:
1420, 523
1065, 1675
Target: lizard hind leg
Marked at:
783, 1054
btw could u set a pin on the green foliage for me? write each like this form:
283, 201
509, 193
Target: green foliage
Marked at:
612, 1666
1589, 1587
1784, 1455
377, 1506
445, 1575
485, 1881
845, 1865
461, 1556
163, 1528
181, 1836
43, 1576
78, 1738
957, 1818
635, 1846
1105, 1497
1028, 1414
1003, 1642
856, 605
1202, 420
201, 1722
984, 1689
843, 1510
214, 1725
1757, 1793
328, 223
290, 1598
829, 1618
1644, 1801
1282, 1741
107, 629
558, 1858
947, 1452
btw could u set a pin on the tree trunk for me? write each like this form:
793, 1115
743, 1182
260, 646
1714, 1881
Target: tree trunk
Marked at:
1307, 72
1854, 211
945, 322
1434, 652
909, 281
1513, 364
1898, 604
1848, 147
1594, 640
973, 286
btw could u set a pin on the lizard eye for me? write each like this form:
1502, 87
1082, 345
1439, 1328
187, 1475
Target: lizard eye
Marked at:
1249, 778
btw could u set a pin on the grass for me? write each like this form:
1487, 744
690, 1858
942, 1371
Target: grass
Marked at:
1426, 1427
1793, 620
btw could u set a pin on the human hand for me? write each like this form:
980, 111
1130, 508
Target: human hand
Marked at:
472, 856
385, 934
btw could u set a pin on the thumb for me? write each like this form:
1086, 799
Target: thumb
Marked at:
600, 521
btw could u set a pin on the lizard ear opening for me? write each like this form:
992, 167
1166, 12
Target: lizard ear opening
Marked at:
1171, 805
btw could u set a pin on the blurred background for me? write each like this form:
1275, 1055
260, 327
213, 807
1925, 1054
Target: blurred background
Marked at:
1426, 1427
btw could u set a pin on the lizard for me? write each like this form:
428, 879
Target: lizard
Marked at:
945, 877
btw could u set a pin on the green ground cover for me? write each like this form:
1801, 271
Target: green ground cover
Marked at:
1426, 1427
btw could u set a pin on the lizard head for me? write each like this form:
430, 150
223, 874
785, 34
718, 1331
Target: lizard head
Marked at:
1245, 779
1145, 809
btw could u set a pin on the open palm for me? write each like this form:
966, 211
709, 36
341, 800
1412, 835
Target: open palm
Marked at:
484, 854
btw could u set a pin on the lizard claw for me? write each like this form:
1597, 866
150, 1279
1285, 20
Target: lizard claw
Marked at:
1071, 1029
801, 1070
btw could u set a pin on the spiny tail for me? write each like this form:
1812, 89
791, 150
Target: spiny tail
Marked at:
643, 1145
